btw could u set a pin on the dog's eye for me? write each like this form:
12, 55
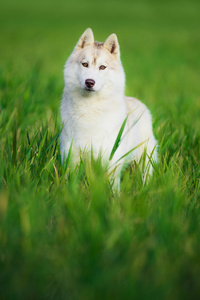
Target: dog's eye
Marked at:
102, 67
85, 65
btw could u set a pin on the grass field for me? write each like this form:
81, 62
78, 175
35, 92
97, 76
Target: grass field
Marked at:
75, 239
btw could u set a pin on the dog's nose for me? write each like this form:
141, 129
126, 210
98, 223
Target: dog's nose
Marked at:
89, 83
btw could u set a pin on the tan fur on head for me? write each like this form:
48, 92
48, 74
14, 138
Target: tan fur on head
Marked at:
111, 43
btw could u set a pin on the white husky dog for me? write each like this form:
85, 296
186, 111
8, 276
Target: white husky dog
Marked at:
94, 108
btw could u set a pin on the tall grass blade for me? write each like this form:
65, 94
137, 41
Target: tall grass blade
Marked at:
14, 146
118, 139
129, 152
119, 136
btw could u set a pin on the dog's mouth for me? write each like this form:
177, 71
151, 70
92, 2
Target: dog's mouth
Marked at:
89, 89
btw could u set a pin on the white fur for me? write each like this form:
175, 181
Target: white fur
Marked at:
93, 118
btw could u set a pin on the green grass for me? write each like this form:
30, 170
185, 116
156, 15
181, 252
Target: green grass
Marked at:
63, 233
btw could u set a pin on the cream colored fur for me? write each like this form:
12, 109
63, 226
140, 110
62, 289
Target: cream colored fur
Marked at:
92, 117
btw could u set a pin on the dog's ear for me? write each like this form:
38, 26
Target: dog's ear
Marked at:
112, 45
86, 39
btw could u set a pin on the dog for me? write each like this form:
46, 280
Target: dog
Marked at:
95, 113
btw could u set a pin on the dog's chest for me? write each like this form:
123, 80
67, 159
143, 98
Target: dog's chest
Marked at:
94, 127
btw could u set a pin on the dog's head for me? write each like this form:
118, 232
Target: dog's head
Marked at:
95, 67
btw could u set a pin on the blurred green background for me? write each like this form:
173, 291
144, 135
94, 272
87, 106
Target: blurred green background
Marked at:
77, 240
159, 41
166, 32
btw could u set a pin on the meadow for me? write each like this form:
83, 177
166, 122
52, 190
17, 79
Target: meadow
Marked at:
75, 238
